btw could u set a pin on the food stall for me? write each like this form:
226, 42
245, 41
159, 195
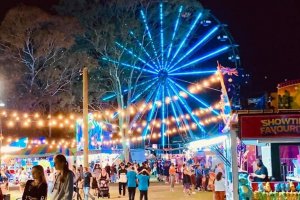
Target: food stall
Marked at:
275, 139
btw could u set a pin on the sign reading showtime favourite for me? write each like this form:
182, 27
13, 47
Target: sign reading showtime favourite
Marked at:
270, 126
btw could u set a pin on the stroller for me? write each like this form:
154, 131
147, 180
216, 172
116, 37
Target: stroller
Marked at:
103, 189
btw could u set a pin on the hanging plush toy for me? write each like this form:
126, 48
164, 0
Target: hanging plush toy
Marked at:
268, 187
261, 187
245, 191
298, 187
292, 187
287, 187
277, 187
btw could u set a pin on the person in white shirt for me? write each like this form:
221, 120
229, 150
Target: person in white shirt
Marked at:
219, 187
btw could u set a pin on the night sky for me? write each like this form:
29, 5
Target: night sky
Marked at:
267, 31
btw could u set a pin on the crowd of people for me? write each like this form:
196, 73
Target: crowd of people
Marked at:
92, 182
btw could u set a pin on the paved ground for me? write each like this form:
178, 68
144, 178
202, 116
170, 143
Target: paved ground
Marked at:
157, 191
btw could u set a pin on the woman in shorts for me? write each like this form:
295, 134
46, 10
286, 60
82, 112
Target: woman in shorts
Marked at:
186, 180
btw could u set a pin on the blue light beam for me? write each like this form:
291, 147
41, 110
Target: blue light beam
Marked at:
150, 115
163, 116
149, 35
126, 90
143, 91
188, 109
193, 96
161, 34
135, 56
143, 49
148, 98
205, 57
128, 65
174, 32
186, 37
191, 73
200, 43
175, 113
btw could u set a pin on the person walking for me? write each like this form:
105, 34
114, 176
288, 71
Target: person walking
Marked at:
87, 181
78, 185
131, 182
64, 180
186, 180
172, 172
122, 180
219, 187
143, 184
37, 188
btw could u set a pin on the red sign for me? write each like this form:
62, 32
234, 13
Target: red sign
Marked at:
270, 126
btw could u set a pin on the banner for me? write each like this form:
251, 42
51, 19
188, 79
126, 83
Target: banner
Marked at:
270, 126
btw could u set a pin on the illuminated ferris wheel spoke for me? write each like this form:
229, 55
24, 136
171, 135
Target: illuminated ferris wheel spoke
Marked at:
140, 112
186, 37
193, 96
126, 90
200, 43
150, 36
150, 115
203, 58
161, 34
143, 91
143, 49
174, 33
128, 65
163, 116
188, 109
177, 120
135, 56
190, 73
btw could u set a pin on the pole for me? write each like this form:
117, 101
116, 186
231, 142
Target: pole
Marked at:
234, 163
85, 118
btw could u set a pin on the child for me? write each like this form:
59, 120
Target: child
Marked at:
219, 187
143, 184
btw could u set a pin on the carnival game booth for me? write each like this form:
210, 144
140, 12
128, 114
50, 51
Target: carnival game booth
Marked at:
275, 138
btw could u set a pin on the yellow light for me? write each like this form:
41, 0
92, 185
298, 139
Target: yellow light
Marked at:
67, 121
9, 140
36, 115
10, 124
213, 79
131, 110
168, 100
72, 117
60, 117
192, 89
49, 117
25, 115
154, 136
198, 87
29, 146
51, 146
144, 123
4, 113
61, 125
72, 126
183, 94
40, 123
139, 130
14, 114
206, 83
26, 124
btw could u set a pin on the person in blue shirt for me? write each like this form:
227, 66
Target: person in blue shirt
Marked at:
131, 182
143, 181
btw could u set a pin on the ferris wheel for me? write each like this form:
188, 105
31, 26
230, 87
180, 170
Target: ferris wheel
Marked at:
176, 56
